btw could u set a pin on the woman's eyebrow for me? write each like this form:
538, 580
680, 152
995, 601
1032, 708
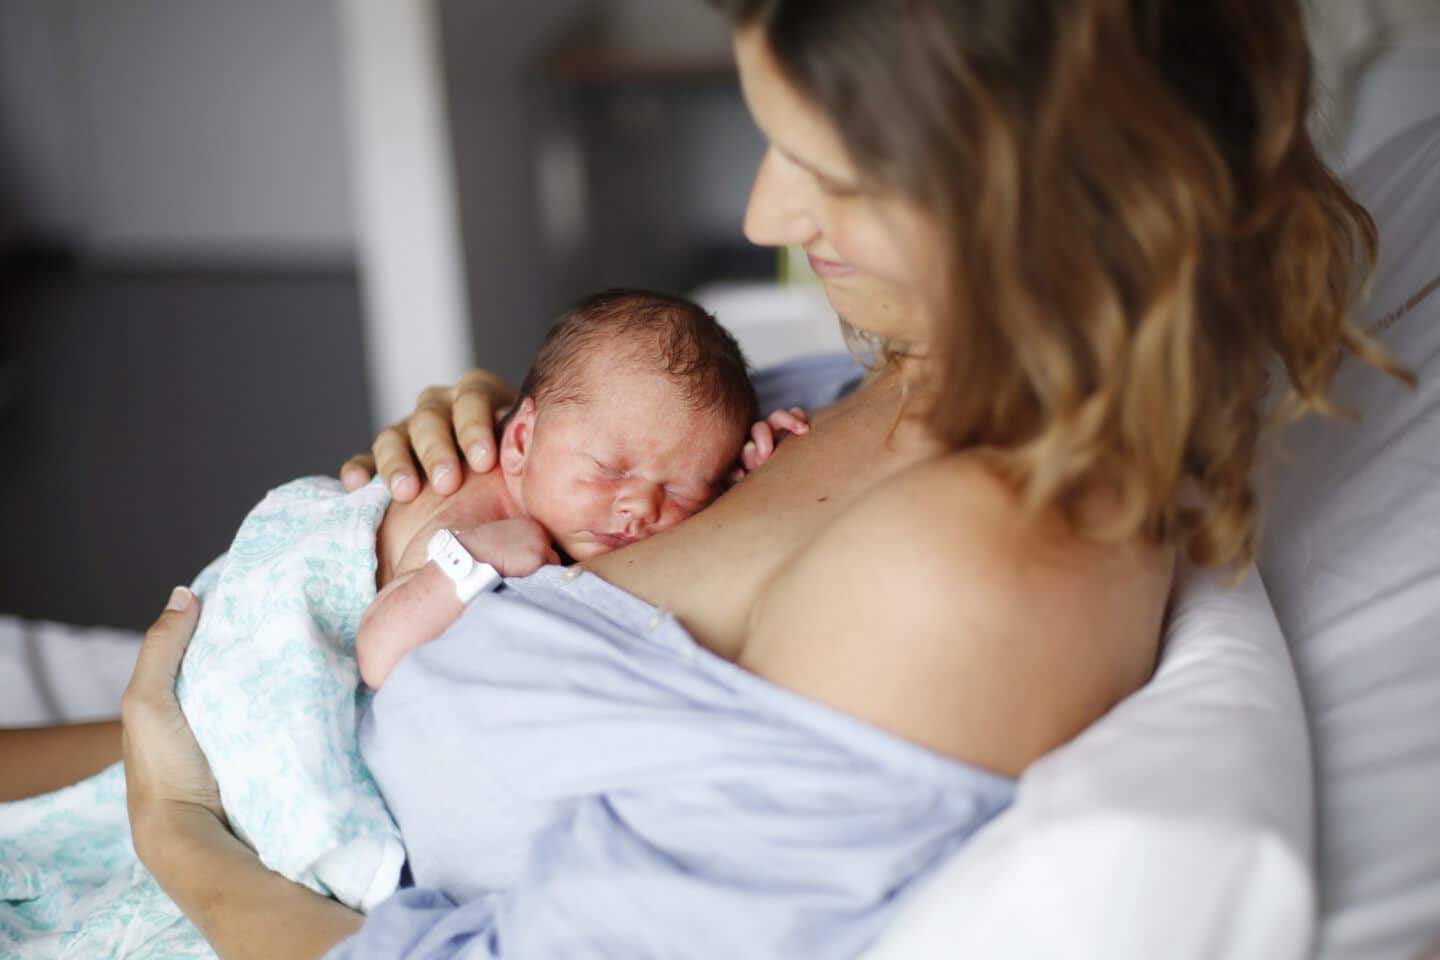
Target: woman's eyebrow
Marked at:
804, 164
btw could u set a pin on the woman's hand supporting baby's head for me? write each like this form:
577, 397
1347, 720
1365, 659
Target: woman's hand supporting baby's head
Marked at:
464, 414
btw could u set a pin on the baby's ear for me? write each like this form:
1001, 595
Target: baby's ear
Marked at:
515, 442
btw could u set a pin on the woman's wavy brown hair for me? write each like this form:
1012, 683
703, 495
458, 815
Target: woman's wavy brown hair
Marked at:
1138, 221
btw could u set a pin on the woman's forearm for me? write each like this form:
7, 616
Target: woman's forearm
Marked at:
35, 760
243, 909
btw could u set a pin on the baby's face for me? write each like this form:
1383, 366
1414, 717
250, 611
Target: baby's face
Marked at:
631, 460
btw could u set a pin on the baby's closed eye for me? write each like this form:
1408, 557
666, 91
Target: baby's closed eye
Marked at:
688, 499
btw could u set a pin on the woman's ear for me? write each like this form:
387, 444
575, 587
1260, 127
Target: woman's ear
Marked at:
515, 442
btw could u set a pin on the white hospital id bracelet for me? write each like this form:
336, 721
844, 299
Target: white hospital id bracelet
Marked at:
470, 575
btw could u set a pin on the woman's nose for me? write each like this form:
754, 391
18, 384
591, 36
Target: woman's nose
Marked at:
776, 215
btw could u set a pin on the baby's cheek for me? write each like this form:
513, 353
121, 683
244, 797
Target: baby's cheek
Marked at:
671, 514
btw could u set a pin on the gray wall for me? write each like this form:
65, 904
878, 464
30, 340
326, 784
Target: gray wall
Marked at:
491, 49
177, 128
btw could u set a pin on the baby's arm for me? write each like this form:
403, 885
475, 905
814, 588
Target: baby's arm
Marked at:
413, 608
420, 602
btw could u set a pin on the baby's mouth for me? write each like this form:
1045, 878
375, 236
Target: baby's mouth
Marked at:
612, 540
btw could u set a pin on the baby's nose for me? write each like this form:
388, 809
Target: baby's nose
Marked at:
640, 508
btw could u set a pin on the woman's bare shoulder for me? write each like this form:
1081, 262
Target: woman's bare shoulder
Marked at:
935, 608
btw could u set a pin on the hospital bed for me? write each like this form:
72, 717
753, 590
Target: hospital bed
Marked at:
1274, 791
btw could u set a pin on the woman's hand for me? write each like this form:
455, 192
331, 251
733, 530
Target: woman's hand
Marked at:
179, 829
167, 778
446, 420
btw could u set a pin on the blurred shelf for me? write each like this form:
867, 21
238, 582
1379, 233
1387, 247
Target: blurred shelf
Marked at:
601, 64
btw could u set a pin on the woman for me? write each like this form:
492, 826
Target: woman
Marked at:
1077, 242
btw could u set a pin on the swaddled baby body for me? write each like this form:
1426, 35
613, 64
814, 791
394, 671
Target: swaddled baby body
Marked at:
630, 420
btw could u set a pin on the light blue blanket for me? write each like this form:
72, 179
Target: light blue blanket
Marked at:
270, 688
576, 777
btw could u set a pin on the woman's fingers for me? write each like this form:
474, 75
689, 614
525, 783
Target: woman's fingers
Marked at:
164, 766
427, 445
432, 438
475, 428
153, 680
393, 461
357, 471
479, 396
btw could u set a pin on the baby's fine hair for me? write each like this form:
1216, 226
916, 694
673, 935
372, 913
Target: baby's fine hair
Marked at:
670, 335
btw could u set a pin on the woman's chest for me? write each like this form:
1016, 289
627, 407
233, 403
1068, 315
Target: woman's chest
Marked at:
714, 570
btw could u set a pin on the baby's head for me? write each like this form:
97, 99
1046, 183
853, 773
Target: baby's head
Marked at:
628, 422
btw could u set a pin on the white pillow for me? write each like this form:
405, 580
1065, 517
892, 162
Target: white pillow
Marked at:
1351, 554
1179, 825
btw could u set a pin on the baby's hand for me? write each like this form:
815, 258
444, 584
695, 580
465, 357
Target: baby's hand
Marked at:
765, 435
516, 547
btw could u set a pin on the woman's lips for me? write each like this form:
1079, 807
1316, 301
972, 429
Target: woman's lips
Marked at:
829, 269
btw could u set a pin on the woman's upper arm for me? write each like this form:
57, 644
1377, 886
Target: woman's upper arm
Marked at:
936, 611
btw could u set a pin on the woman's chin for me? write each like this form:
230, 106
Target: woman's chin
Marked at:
873, 305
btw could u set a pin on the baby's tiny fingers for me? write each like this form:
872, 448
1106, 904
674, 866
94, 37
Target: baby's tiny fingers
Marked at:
787, 420
749, 456
736, 475
764, 440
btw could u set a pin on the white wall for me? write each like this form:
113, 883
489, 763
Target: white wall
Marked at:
1400, 89
1377, 63
417, 329
41, 141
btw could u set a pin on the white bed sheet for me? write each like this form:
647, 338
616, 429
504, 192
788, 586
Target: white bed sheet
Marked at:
54, 673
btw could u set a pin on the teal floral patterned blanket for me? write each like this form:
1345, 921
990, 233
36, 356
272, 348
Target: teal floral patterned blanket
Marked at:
271, 689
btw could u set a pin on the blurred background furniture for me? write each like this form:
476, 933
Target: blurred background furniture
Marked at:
237, 238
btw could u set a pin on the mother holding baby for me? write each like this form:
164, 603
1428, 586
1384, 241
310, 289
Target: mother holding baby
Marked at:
1077, 246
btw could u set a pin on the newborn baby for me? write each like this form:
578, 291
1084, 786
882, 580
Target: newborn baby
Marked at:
630, 420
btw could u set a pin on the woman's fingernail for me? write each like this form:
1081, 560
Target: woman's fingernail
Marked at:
397, 480
441, 472
179, 599
476, 455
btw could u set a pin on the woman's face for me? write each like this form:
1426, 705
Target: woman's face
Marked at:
870, 248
